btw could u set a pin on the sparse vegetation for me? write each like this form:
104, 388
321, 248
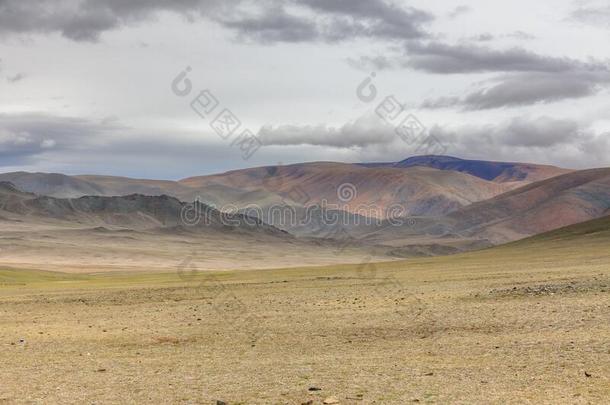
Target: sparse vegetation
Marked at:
431, 330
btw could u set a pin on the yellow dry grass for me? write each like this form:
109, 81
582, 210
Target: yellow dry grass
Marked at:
525, 323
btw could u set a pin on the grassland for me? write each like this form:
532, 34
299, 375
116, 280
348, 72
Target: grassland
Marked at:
524, 323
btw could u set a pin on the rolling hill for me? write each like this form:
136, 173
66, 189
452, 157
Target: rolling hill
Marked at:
420, 190
476, 202
526, 211
423, 185
539, 207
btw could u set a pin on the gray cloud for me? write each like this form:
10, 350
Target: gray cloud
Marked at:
595, 15
562, 142
527, 88
436, 57
274, 25
485, 37
367, 63
25, 136
71, 145
532, 88
532, 78
16, 78
43, 142
374, 18
365, 131
529, 139
466, 58
459, 10
521, 35
329, 21
542, 132
29, 134
264, 21
85, 20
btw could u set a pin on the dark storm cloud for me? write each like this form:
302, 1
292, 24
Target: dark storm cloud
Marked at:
526, 89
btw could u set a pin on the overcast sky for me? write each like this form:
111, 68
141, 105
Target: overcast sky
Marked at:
94, 86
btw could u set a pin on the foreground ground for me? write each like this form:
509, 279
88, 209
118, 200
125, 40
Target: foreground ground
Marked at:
526, 323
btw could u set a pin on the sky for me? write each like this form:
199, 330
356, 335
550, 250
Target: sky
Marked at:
168, 89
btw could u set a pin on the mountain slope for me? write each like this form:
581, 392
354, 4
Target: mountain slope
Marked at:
502, 172
374, 191
52, 184
422, 190
135, 212
539, 207
595, 230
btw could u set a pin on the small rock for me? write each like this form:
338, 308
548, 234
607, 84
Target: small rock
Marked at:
101, 370
315, 389
310, 402
588, 374
330, 400
221, 403
429, 374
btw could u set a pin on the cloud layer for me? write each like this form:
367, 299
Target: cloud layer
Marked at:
266, 21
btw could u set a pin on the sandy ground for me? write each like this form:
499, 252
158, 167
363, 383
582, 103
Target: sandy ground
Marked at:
74, 248
499, 326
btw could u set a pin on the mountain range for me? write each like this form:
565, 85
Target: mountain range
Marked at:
447, 205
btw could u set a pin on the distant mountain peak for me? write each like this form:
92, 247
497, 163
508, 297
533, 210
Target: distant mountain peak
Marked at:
428, 159
499, 172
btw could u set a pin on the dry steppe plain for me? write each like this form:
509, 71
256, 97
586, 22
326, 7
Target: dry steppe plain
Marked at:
523, 323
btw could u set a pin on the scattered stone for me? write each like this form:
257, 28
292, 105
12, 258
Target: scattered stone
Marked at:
331, 400
101, 370
310, 402
315, 389
221, 402
429, 374
588, 374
